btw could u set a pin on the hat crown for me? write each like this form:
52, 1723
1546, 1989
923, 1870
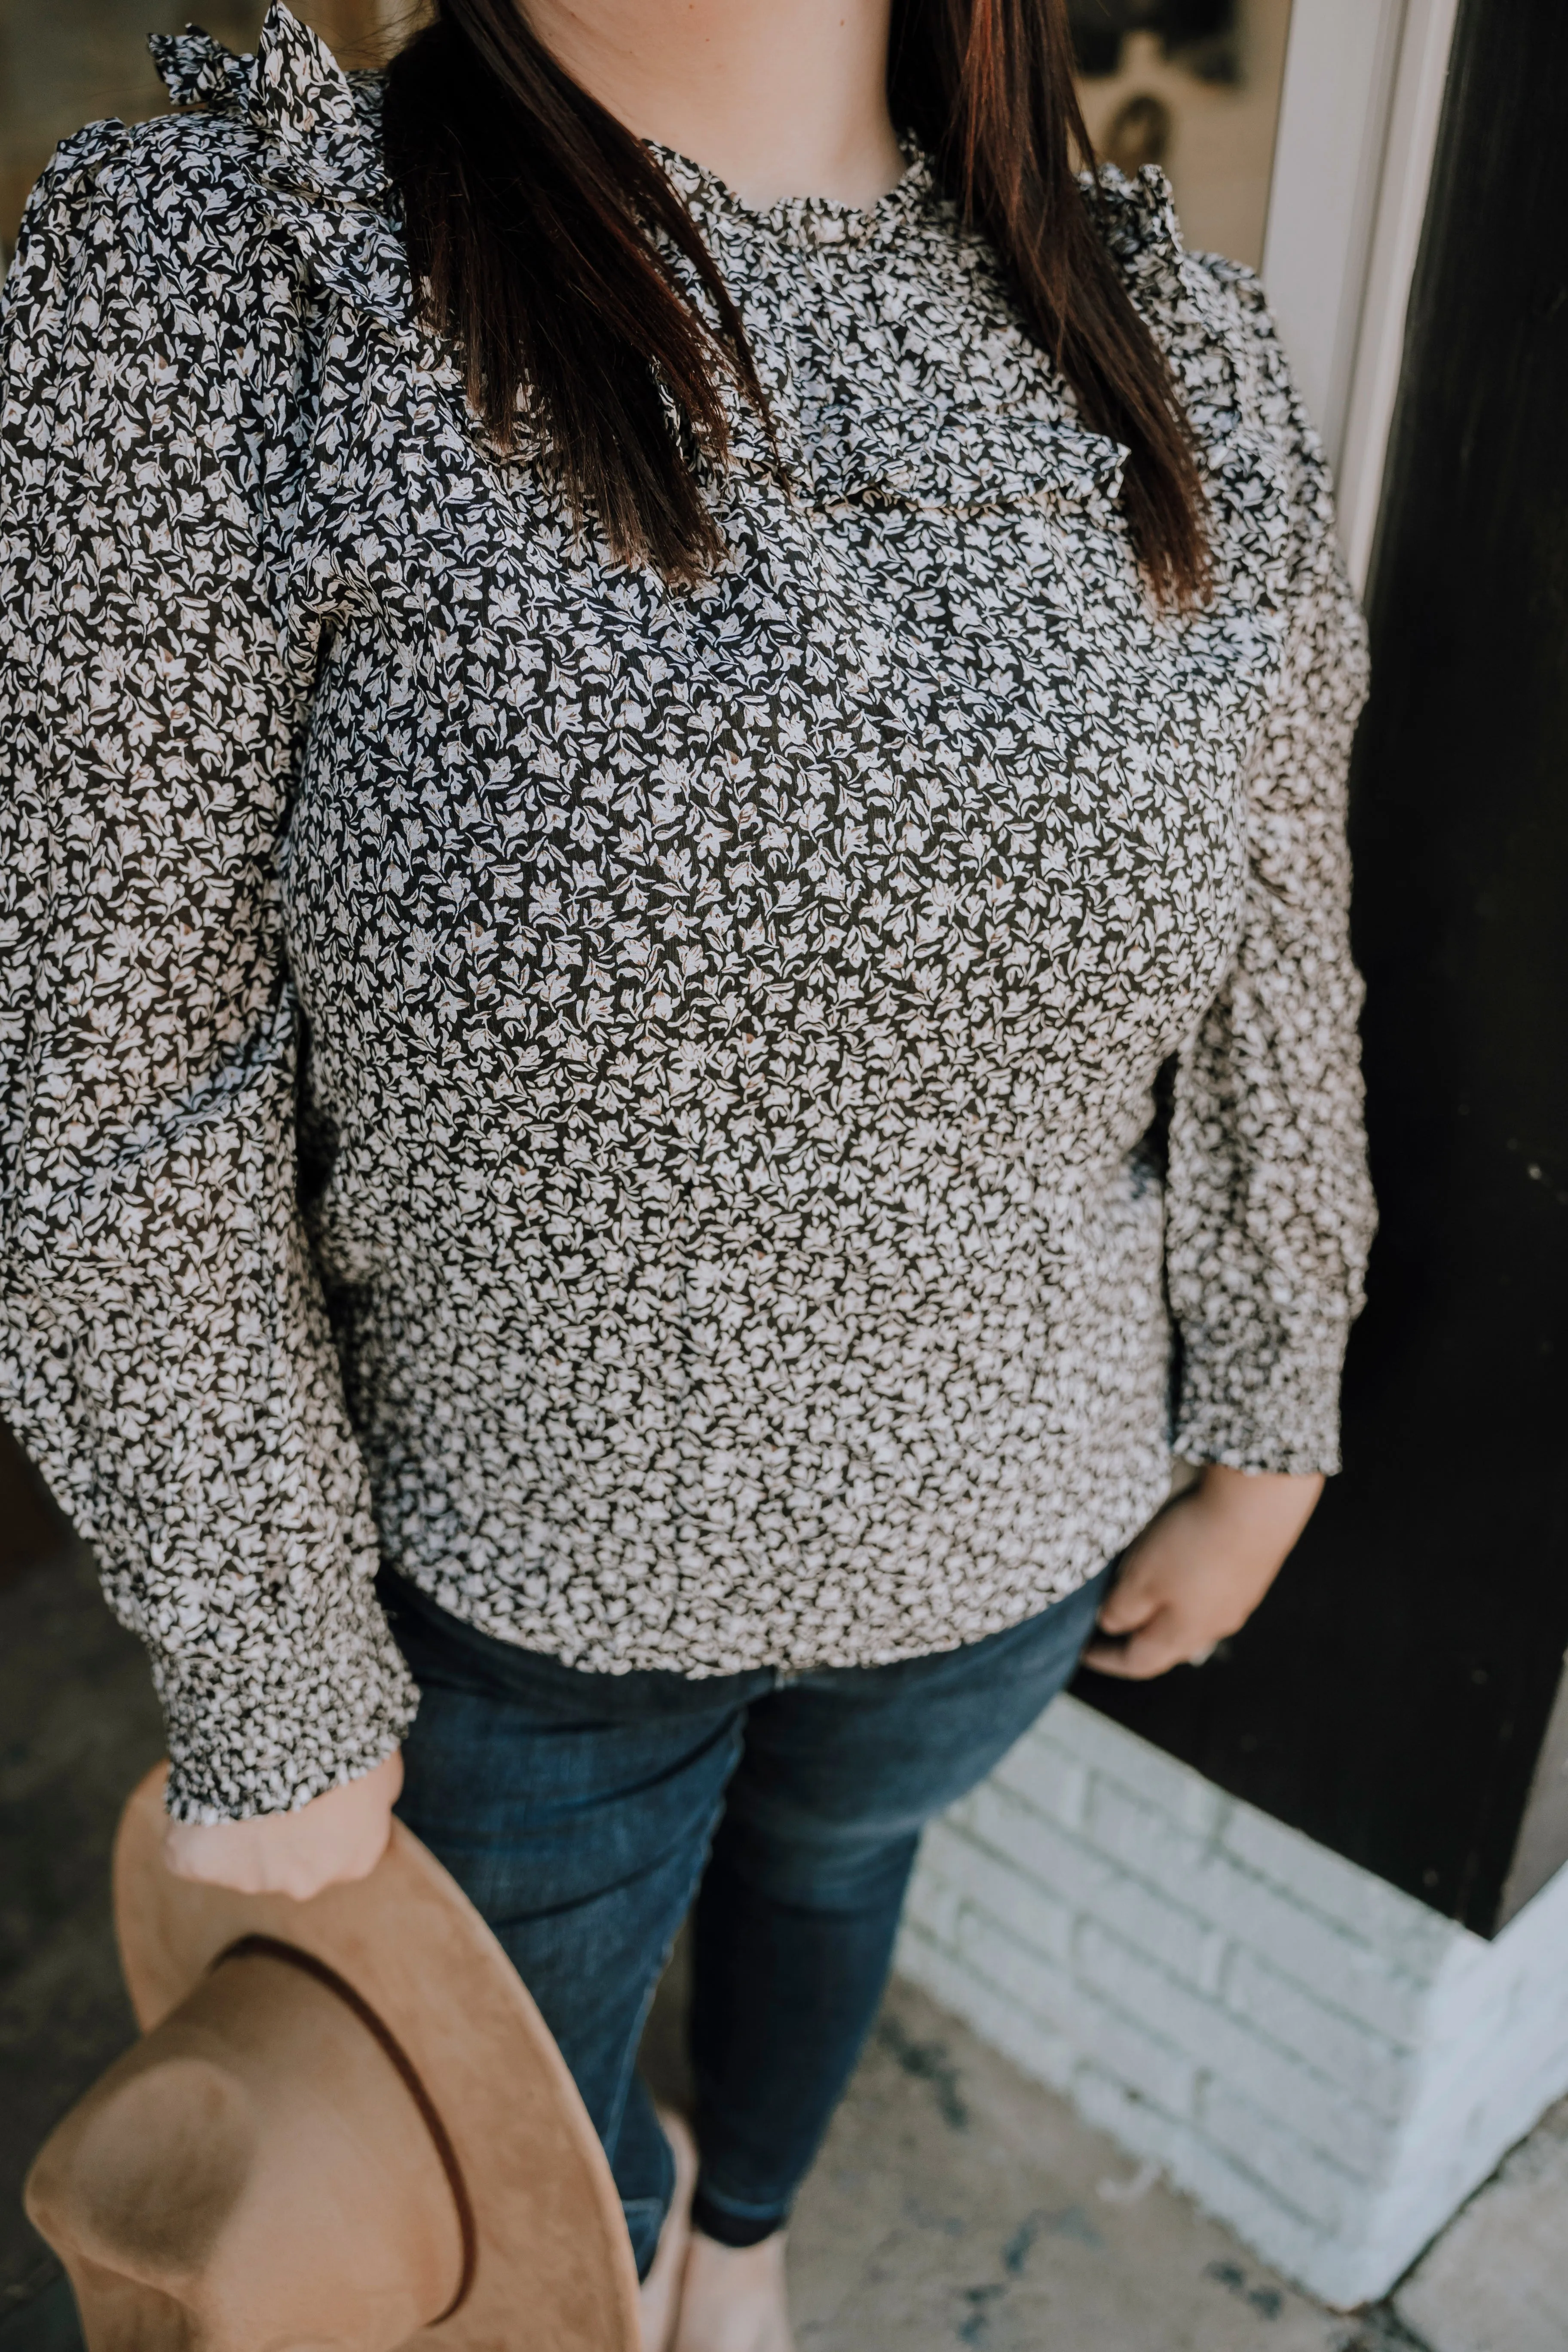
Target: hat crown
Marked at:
258, 2160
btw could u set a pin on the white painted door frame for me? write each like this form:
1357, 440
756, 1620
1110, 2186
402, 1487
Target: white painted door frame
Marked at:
1358, 125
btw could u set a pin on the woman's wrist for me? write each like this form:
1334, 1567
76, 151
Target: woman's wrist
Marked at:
1260, 1502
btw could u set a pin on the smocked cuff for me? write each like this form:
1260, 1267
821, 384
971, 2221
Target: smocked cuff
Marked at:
1282, 1416
299, 1702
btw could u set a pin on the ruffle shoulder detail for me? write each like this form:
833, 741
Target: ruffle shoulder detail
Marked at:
1269, 496
305, 145
292, 91
1137, 216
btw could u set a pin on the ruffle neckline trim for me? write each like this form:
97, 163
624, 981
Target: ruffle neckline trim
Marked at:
809, 224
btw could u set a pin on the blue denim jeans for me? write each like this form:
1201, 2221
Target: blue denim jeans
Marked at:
585, 1813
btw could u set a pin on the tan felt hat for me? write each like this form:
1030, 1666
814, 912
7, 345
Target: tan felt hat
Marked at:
345, 2129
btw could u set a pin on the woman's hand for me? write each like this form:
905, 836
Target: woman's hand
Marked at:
342, 1834
1198, 1572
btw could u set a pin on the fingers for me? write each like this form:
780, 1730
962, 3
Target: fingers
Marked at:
1153, 1649
225, 1853
264, 1866
338, 1836
1134, 1601
1127, 1610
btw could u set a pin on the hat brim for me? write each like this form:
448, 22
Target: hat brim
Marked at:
553, 2269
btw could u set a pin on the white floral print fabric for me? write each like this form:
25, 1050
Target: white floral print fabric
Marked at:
634, 1106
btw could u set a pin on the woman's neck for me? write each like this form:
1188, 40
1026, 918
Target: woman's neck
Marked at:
780, 97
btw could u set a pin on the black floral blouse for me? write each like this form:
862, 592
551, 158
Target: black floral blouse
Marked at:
633, 1106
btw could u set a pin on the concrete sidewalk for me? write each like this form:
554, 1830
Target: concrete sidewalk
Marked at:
955, 2204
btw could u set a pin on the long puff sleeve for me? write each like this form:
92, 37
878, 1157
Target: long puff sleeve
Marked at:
1269, 1209
167, 1360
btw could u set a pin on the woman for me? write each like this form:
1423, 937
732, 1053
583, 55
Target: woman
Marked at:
677, 724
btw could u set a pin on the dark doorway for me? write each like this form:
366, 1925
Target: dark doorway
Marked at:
1394, 1698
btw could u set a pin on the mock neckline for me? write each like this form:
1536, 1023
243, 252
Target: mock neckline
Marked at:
810, 223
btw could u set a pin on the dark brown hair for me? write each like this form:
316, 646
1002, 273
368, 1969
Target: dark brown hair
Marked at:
540, 231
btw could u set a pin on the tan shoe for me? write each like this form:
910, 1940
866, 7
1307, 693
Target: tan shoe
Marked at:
733, 2298
660, 2294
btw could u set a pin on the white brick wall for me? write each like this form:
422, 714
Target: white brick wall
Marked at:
1317, 2059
